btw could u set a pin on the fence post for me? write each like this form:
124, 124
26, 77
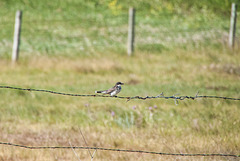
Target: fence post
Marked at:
131, 26
233, 22
16, 38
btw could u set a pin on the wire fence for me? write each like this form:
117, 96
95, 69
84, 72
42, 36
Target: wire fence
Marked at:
118, 150
128, 98
88, 34
174, 97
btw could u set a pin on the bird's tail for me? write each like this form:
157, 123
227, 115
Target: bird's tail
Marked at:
103, 92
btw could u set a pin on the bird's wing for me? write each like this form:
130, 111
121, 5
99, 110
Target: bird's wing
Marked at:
110, 90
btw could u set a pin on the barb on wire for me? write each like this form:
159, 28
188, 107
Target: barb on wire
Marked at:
161, 95
119, 150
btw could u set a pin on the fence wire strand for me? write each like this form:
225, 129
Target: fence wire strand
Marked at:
161, 95
119, 150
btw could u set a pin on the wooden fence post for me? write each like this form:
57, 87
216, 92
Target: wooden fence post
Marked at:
233, 23
16, 38
131, 26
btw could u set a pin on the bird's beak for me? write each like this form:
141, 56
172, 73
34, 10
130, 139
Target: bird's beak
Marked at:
122, 83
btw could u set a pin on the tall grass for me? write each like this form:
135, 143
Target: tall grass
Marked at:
87, 28
79, 47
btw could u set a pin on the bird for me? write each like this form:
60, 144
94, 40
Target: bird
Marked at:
112, 91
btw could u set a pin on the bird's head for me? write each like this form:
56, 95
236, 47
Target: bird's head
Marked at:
119, 83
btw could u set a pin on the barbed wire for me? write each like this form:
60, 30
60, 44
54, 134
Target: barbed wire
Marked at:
119, 150
88, 22
128, 98
174, 31
108, 19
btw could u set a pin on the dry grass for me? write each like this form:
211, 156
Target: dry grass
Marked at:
145, 139
203, 126
79, 47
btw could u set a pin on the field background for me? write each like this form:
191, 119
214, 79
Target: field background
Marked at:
78, 46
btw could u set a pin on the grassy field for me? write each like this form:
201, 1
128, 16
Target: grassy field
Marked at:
62, 54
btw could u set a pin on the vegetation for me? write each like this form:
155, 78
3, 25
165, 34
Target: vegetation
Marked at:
79, 47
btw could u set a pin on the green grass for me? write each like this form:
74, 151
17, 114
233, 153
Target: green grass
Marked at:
81, 48
184, 72
87, 28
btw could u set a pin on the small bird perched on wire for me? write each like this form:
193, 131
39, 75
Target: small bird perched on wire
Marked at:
112, 91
